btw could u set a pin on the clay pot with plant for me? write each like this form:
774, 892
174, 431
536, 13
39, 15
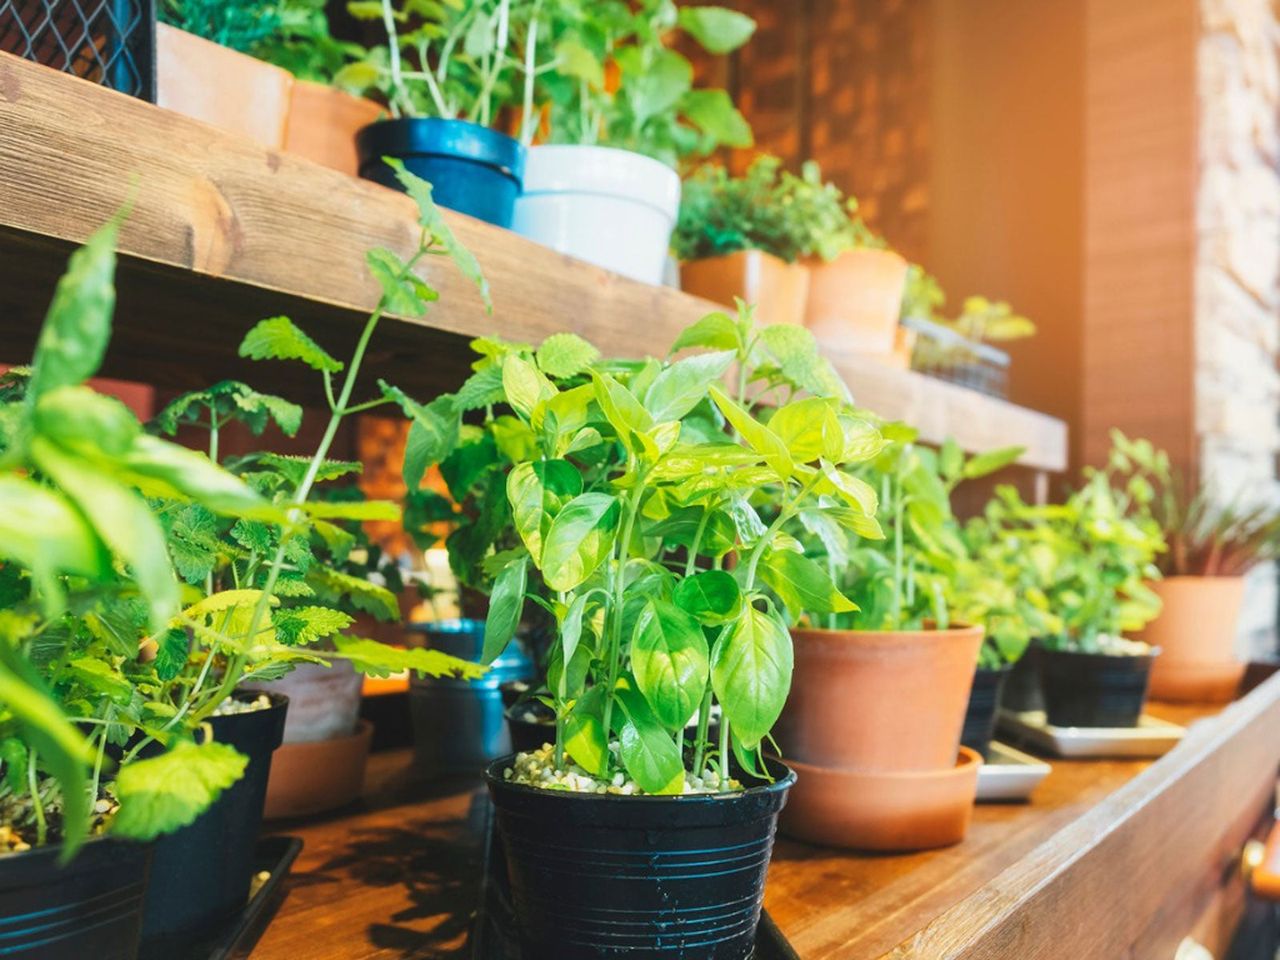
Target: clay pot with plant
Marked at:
881, 688
1094, 556
629, 484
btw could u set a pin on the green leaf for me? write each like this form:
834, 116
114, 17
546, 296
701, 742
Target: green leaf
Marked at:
304, 625
803, 585
525, 385
433, 433
751, 673
164, 469
854, 491
717, 29
579, 540
950, 459
172, 654
77, 325
716, 330
564, 355
795, 351
295, 468
670, 660
647, 750
85, 421
506, 606
537, 491
277, 338
122, 519
573, 59
380, 660
14, 758
43, 532
102, 678
365, 9
712, 596
353, 509
991, 461
713, 113
758, 437
810, 429
683, 385
403, 292
433, 221
160, 794
331, 585
584, 737
482, 389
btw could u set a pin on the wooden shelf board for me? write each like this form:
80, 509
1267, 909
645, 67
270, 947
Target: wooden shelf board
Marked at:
224, 232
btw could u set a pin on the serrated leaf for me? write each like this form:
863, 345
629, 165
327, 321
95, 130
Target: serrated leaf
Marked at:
379, 660
224, 600
294, 468
304, 625
332, 585
482, 389
160, 794
403, 292
171, 654
433, 433
564, 355
352, 509
277, 338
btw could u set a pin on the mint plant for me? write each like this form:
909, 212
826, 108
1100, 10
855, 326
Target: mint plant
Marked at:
630, 485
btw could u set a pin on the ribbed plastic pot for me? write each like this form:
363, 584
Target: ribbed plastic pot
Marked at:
601, 875
980, 717
201, 873
1021, 692
1094, 689
92, 907
471, 169
458, 725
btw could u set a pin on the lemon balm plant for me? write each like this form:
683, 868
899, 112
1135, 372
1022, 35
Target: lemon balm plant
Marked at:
631, 488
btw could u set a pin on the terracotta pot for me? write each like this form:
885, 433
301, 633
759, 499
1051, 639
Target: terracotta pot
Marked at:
879, 701
1196, 633
322, 125
225, 89
324, 702
777, 288
883, 811
855, 300
309, 778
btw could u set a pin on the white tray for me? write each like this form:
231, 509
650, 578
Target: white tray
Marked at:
1150, 738
1009, 774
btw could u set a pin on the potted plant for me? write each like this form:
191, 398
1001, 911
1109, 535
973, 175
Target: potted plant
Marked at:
742, 237
1212, 546
881, 688
630, 491
1095, 555
613, 108
445, 72
963, 350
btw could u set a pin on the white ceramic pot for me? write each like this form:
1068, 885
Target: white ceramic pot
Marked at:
610, 207
324, 702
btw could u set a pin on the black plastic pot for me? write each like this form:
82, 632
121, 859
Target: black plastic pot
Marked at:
1021, 691
201, 873
458, 726
471, 168
92, 907
601, 875
980, 718
1094, 689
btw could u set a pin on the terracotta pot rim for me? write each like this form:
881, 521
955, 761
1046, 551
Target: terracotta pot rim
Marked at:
1198, 578
955, 630
966, 759
815, 262
745, 251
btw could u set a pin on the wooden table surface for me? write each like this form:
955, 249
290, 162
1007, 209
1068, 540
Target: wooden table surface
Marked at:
397, 875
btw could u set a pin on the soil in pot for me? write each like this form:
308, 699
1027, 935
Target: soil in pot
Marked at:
980, 718
201, 873
603, 875
472, 169
1095, 689
778, 289
610, 207
888, 701
1196, 634
89, 908
458, 725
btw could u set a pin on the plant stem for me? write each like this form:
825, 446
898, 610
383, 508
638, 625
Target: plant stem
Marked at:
393, 58
530, 71
704, 722
37, 804
691, 562
632, 507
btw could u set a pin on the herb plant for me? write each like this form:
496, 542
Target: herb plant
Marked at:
630, 486
769, 209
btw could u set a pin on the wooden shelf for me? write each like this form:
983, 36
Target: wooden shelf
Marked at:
225, 232
1109, 859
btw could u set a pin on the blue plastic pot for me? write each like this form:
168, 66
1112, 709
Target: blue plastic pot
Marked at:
471, 169
92, 907
647, 878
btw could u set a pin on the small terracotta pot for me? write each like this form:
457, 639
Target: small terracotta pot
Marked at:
778, 289
855, 300
883, 811
1196, 633
225, 89
323, 122
879, 701
309, 778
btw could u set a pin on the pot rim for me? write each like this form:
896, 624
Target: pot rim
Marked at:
493, 777
54, 849
957, 629
966, 759
1150, 653
477, 143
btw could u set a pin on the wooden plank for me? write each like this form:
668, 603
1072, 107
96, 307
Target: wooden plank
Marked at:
224, 231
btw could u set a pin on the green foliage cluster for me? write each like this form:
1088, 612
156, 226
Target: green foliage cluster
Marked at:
1093, 555
768, 208
143, 582
567, 71
980, 321
629, 486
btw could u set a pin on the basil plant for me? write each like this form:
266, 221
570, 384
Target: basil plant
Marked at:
632, 487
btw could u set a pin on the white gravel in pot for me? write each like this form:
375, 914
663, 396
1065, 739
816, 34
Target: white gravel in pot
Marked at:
537, 769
